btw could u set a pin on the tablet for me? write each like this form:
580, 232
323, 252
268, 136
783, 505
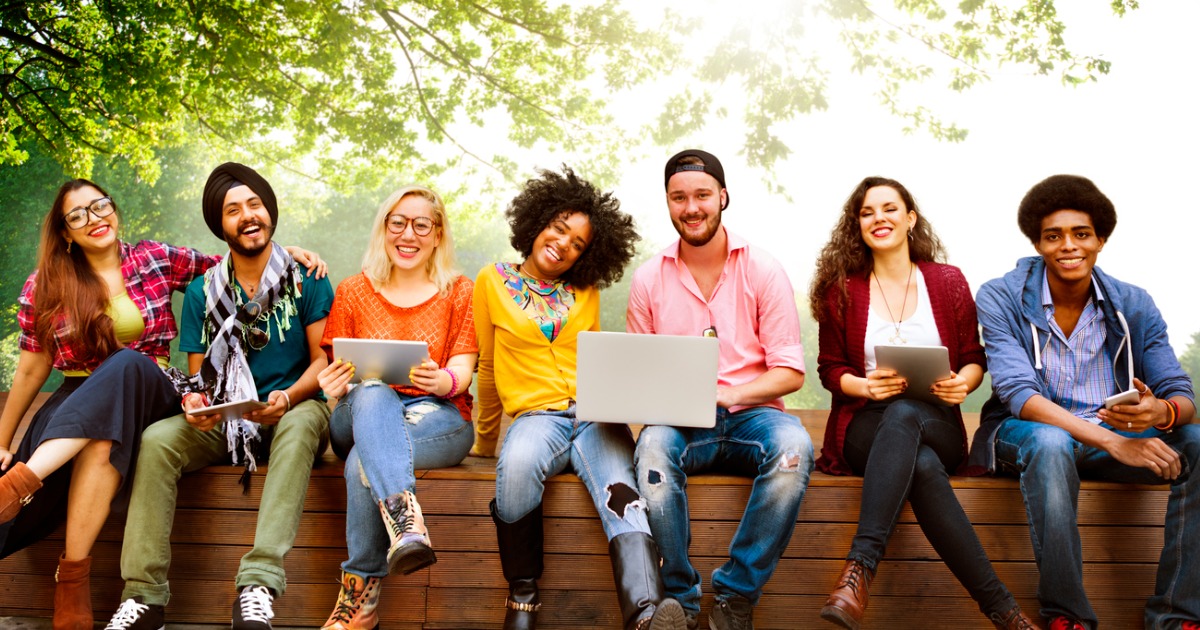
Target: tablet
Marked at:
232, 410
388, 360
921, 365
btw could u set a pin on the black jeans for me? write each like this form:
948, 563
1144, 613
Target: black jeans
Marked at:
918, 442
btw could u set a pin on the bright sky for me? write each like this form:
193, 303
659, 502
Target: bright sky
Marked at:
1134, 133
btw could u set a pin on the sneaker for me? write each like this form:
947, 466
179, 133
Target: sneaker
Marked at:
1066, 623
410, 548
731, 613
134, 615
1190, 625
356, 603
252, 609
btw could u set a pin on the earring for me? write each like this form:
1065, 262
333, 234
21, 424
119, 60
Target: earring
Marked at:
69, 246
910, 236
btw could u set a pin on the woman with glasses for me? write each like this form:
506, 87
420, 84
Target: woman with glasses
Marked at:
98, 310
408, 290
574, 239
881, 281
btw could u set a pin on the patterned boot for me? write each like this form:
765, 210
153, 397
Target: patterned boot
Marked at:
355, 608
410, 548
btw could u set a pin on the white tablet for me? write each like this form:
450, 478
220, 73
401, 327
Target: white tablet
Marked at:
388, 360
921, 365
232, 410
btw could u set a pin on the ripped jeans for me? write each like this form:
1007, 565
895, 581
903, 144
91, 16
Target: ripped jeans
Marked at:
541, 444
383, 436
760, 442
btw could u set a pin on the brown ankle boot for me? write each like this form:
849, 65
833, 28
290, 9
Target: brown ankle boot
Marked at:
73, 594
848, 602
1014, 619
16, 489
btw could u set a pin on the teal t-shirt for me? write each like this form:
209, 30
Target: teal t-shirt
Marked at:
282, 361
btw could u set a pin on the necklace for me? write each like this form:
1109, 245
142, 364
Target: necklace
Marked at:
896, 338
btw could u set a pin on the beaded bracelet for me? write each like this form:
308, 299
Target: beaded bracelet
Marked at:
453, 383
1173, 410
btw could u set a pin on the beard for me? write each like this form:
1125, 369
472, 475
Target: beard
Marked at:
699, 239
236, 246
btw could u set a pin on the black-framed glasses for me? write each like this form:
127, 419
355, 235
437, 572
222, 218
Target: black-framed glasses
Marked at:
99, 208
421, 226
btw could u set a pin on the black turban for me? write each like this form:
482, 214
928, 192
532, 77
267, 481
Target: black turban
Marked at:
230, 175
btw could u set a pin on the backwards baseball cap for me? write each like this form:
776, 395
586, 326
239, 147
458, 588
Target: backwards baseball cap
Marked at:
230, 175
711, 165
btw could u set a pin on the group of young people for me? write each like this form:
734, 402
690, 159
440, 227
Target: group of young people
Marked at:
256, 325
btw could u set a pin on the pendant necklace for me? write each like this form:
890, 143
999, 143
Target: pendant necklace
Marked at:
896, 339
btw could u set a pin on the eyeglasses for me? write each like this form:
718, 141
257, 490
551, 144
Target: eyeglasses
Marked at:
99, 208
421, 226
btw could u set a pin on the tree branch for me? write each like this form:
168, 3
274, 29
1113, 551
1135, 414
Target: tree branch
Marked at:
25, 40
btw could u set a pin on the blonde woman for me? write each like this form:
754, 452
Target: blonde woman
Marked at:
408, 289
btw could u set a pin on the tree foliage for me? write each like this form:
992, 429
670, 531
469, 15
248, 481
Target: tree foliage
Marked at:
343, 90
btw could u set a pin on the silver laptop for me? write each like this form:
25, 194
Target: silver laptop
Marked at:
647, 379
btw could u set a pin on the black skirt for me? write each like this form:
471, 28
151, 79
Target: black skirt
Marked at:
122, 396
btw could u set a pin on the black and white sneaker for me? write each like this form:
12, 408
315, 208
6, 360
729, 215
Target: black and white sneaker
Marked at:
252, 609
134, 615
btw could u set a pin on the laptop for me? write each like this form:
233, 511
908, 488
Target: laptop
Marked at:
388, 360
646, 379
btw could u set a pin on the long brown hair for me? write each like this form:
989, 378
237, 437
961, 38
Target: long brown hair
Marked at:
847, 255
67, 289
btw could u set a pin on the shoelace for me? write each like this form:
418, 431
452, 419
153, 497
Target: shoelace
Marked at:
255, 602
855, 577
347, 606
126, 615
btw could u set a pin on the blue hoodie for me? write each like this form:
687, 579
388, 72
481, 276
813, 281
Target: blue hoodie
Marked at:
1011, 314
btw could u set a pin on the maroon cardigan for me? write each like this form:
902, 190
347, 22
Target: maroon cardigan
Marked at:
842, 340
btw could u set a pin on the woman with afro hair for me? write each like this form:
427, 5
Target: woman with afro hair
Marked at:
573, 240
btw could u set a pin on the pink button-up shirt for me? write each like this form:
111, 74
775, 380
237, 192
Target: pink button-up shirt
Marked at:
753, 309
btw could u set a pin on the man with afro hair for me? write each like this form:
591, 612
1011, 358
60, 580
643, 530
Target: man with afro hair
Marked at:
1064, 339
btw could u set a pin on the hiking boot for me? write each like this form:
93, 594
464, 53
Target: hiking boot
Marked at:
410, 548
355, 608
252, 608
16, 490
1014, 619
731, 613
134, 615
847, 603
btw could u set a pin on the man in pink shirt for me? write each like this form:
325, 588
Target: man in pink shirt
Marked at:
712, 282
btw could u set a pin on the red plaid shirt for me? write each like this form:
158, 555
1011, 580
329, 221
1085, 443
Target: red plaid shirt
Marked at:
152, 271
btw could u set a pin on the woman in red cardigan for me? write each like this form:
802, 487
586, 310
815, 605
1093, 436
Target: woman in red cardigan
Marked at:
879, 281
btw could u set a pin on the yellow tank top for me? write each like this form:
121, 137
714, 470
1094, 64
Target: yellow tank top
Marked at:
128, 325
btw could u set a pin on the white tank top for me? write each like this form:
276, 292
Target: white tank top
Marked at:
918, 330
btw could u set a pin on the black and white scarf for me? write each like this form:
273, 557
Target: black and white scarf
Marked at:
225, 374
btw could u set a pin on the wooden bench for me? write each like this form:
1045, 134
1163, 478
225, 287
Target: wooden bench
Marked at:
1121, 527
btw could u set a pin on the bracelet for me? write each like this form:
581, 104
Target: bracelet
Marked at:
203, 399
1173, 411
453, 383
286, 397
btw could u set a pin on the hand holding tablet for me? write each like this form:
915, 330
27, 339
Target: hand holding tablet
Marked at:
920, 366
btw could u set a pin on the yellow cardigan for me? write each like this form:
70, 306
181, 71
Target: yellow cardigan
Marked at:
519, 369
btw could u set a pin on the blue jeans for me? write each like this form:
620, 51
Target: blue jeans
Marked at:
384, 436
761, 442
1050, 464
918, 443
541, 444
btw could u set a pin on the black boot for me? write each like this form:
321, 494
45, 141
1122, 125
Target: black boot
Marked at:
521, 559
644, 605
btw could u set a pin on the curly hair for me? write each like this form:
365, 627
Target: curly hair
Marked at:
1065, 192
552, 195
846, 254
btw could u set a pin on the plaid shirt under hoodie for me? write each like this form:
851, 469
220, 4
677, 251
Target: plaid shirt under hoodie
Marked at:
152, 270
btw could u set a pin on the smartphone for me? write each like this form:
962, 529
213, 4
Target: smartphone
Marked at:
1130, 397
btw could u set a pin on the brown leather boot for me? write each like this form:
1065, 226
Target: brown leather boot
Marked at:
73, 594
1014, 619
16, 489
848, 602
